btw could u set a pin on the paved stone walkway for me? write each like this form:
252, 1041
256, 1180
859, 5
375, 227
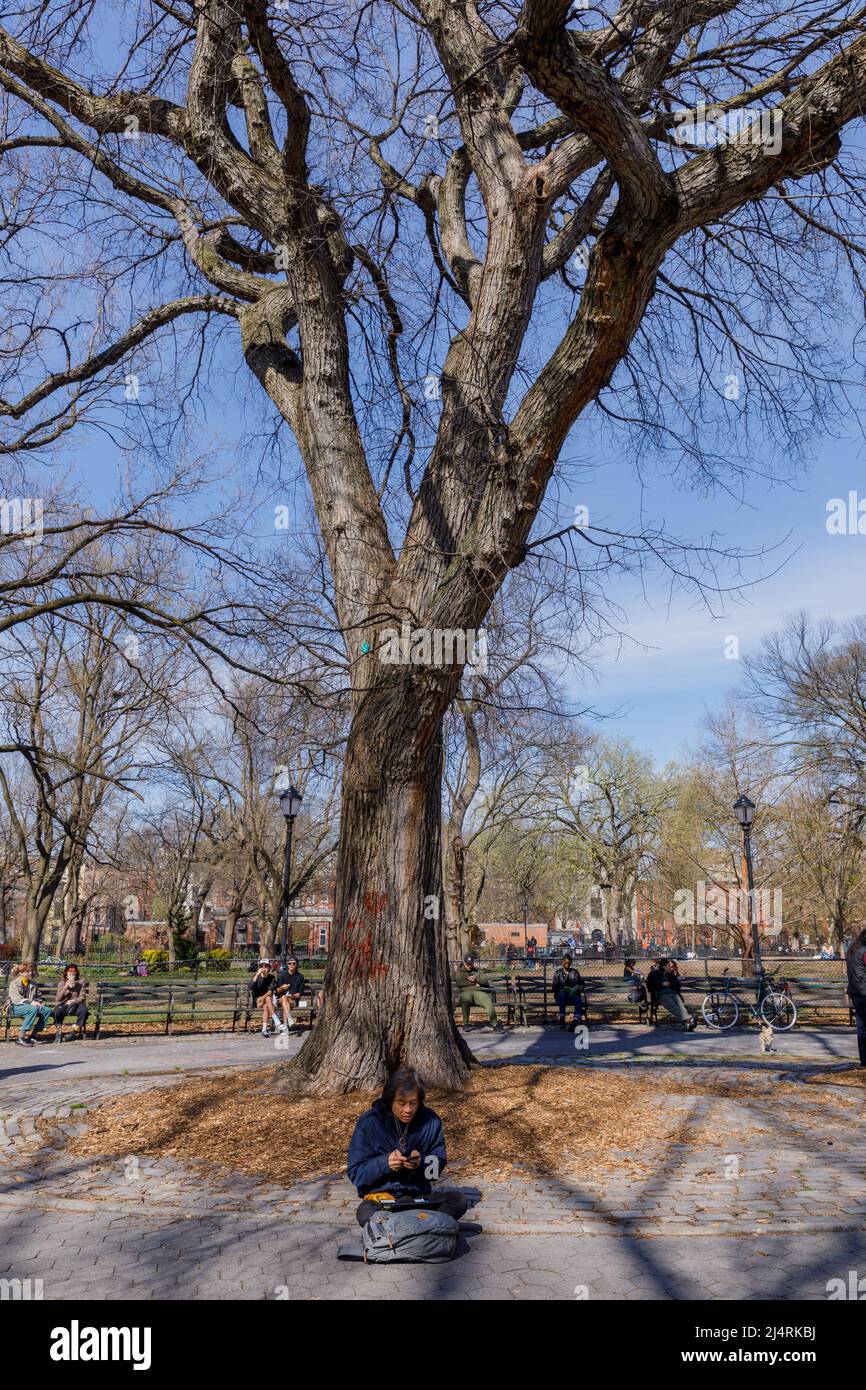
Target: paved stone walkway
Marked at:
771, 1204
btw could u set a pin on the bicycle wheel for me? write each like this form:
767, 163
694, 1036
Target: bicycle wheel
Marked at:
720, 1011
779, 1010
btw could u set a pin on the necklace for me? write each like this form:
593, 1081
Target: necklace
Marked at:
402, 1131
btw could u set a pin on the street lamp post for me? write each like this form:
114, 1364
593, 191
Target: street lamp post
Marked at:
290, 805
744, 809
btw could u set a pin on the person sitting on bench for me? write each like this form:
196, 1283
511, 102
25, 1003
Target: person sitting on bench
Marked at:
637, 993
262, 990
289, 988
474, 987
568, 989
71, 999
23, 998
397, 1151
665, 989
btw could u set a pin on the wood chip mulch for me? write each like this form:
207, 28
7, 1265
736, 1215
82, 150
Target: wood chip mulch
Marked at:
540, 1121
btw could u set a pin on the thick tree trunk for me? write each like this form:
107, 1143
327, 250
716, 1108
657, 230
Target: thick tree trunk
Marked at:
229, 929
457, 930
34, 926
387, 984
267, 929
71, 944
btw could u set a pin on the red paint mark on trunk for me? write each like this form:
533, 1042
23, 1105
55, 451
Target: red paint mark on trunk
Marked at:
360, 957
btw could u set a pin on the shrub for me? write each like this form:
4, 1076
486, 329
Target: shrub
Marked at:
155, 960
219, 959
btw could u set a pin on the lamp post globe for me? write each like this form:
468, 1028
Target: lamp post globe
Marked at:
744, 810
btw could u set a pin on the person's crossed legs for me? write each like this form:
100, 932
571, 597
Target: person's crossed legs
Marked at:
452, 1202
34, 1017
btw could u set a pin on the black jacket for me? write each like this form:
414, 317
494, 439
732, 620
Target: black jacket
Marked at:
262, 984
856, 964
297, 984
376, 1135
567, 979
657, 980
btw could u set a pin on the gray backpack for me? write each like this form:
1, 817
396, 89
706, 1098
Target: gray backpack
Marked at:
419, 1235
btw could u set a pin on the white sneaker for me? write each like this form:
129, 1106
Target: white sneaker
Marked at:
281, 1028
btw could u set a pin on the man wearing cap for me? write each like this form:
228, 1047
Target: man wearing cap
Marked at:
474, 987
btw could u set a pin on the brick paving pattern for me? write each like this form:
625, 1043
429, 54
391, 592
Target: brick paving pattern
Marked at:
777, 1219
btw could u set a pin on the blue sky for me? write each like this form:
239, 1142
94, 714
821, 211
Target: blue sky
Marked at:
662, 686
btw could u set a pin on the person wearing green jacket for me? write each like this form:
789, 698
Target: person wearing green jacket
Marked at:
474, 987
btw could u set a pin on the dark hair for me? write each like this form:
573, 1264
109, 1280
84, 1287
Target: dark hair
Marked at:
71, 966
403, 1082
630, 960
567, 958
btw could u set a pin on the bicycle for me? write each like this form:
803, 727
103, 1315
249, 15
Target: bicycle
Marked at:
721, 1008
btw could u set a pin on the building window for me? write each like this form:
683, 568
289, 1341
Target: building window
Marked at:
323, 936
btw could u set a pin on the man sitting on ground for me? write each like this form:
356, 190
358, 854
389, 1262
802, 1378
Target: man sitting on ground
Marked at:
262, 991
397, 1147
474, 987
290, 986
23, 997
568, 989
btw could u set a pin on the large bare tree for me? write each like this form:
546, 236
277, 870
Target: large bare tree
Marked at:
416, 179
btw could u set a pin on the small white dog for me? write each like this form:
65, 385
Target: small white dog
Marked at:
767, 1031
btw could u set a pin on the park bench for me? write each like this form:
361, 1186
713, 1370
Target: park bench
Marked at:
526, 997
615, 991
166, 1006
816, 994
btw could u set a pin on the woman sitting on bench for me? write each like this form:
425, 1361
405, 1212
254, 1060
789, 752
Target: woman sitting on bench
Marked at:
71, 999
